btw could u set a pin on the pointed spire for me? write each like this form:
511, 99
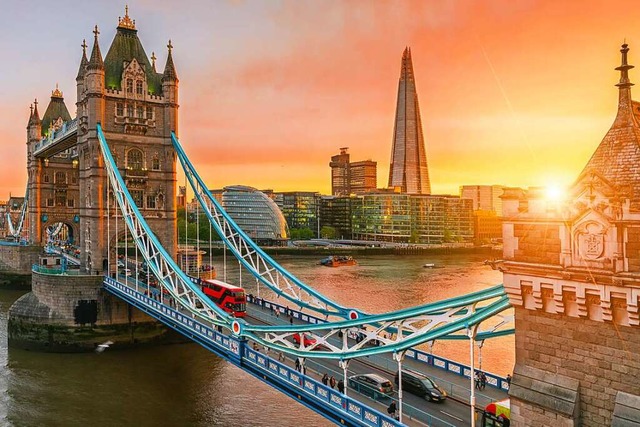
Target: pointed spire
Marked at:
36, 116
30, 115
84, 61
96, 62
153, 61
169, 68
406, 71
126, 22
625, 116
56, 93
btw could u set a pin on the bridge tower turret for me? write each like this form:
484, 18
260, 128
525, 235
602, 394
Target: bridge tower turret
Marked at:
34, 166
137, 109
572, 272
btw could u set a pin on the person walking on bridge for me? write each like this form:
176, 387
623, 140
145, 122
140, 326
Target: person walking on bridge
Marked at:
341, 386
332, 382
325, 379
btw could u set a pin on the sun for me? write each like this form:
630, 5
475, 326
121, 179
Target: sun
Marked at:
555, 193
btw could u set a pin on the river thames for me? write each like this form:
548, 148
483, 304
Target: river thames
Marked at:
185, 385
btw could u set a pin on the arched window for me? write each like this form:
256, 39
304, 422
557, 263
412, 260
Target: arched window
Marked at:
134, 159
139, 87
155, 163
61, 178
129, 85
46, 177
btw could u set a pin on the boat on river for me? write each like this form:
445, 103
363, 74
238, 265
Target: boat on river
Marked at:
338, 261
431, 265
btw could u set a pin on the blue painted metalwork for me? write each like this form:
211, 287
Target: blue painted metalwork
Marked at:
68, 129
313, 394
263, 267
15, 231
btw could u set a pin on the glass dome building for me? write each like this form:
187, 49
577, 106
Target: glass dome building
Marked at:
256, 214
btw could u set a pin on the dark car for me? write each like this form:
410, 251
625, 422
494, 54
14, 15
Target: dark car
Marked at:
421, 385
371, 385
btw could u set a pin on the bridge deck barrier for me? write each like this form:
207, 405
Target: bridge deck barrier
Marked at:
260, 365
413, 356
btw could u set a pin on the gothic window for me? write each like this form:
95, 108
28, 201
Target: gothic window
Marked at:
45, 178
134, 159
149, 113
151, 202
61, 178
49, 202
74, 179
139, 87
140, 112
119, 109
129, 110
155, 163
70, 203
61, 199
129, 85
138, 198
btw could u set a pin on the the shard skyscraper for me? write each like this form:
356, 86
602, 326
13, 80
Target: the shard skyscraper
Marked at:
408, 169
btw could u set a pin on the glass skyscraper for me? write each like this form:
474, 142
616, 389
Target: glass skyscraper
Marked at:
408, 169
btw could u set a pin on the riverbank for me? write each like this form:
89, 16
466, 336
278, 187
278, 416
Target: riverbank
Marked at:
368, 251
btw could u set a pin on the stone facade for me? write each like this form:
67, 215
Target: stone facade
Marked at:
73, 313
18, 259
571, 272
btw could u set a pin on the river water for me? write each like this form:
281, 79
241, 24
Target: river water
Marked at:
185, 385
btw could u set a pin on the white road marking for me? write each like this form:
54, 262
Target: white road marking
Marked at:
452, 416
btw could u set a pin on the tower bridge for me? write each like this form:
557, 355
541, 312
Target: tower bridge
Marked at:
109, 176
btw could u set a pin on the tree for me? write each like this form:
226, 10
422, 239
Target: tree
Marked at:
328, 232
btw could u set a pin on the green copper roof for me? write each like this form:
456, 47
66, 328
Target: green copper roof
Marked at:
125, 47
56, 109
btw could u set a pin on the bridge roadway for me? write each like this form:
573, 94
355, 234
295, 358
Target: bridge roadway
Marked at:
453, 411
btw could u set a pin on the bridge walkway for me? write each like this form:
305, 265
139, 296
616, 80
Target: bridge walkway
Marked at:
456, 386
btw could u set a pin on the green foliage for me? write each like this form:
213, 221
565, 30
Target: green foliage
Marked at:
304, 233
328, 232
192, 227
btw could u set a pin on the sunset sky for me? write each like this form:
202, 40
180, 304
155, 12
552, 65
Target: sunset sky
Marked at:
511, 92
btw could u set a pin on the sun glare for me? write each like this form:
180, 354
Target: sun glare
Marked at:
555, 193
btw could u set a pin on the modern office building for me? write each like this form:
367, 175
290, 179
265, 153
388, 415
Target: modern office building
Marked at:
487, 211
408, 170
352, 177
256, 214
335, 211
363, 176
300, 209
408, 218
485, 197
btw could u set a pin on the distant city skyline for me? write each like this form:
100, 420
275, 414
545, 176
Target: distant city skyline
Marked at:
492, 111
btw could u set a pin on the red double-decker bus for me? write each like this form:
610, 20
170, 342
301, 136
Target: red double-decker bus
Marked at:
230, 298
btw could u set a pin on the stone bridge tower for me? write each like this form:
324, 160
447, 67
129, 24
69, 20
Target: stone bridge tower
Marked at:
137, 108
572, 272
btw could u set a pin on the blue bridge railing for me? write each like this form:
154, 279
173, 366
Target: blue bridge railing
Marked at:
311, 393
493, 380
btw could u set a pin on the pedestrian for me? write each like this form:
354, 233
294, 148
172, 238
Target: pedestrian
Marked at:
288, 310
255, 346
278, 312
325, 379
483, 380
509, 380
332, 382
341, 386
291, 320
391, 410
478, 380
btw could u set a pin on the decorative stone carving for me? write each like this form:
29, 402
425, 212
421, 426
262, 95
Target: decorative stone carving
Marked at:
590, 240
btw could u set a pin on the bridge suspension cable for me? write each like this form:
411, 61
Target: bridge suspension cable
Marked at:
381, 333
169, 275
264, 268
14, 230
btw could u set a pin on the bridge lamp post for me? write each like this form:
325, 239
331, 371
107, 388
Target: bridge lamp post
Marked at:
399, 356
344, 364
471, 333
